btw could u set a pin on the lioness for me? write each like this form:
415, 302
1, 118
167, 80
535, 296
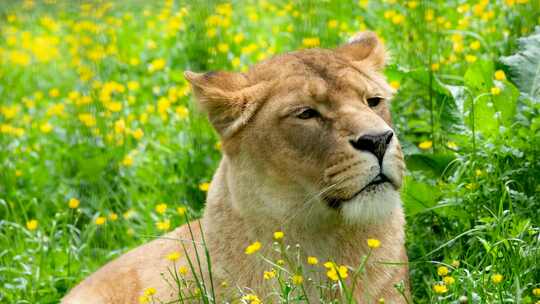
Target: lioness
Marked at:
308, 149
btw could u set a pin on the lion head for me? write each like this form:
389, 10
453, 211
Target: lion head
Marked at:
308, 134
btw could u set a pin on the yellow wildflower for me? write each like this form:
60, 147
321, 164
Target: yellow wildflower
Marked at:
181, 210
311, 260
395, 84
223, 47
495, 91
336, 272
448, 280
251, 299
100, 220
157, 65
412, 4
54, 92
144, 299
297, 279
397, 19
133, 85
278, 235
500, 75
183, 270
161, 208
173, 256
536, 292
455, 263
440, 288
251, 249
475, 45
127, 161
46, 127
470, 58
113, 216
73, 203
373, 243
149, 291
280, 262
182, 112
452, 145
238, 38
435, 66
332, 23
138, 134
204, 187
311, 42
32, 225
425, 145
163, 225
442, 271
119, 126
497, 278
267, 275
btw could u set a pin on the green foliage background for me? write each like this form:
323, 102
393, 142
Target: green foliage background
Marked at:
79, 80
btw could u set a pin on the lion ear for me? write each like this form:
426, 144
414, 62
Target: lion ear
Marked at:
365, 47
227, 98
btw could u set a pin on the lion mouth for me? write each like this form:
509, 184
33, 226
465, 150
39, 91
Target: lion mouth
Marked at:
373, 185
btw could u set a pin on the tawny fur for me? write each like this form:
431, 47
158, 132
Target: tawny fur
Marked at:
276, 174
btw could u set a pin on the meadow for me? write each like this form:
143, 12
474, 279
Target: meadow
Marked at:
102, 149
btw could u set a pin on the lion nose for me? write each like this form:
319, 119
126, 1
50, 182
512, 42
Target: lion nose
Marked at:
375, 144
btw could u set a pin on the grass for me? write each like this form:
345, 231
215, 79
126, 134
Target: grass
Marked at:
94, 107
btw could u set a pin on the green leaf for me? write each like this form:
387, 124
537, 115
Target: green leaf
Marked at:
431, 164
490, 111
525, 65
478, 80
419, 196
506, 103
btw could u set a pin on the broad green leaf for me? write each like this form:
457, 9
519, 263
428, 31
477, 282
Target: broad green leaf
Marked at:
480, 110
451, 120
525, 65
419, 196
431, 164
506, 103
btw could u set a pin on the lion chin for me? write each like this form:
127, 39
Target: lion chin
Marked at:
372, 206
308, 150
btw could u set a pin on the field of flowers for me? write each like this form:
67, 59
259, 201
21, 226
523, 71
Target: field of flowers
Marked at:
101, 148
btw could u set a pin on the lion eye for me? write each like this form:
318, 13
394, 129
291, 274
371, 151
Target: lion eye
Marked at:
308, 113
374, 101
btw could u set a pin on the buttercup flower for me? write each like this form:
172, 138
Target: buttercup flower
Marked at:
448, 280
336, 272
425, 145
100, 220
173, 256
267, 275
297, 279
181, 210
440, 288
497, 278
73, 203
113, 216
312, 260
278, 235
500, 75
251, 249
32, 225
183, 270
251, 299
204, 187
442, 271
373, 243
161, 208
